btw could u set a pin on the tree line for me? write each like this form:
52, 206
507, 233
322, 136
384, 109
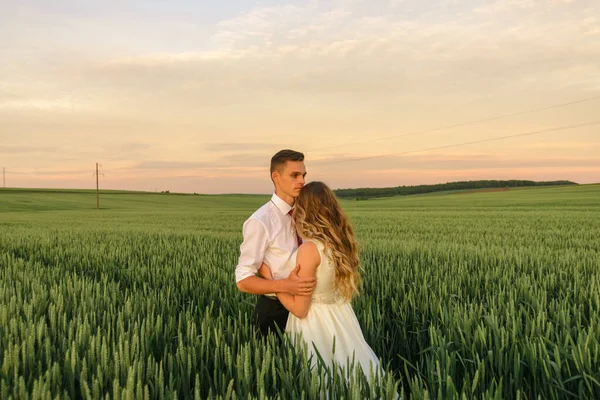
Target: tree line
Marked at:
367, 193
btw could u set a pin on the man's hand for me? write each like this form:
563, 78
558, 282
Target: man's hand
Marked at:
300, 286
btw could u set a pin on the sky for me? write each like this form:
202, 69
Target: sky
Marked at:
196, 97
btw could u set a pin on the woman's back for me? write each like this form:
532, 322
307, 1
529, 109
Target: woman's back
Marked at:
331, 325
325, 291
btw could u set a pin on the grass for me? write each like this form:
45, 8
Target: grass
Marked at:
32, 200
477, 295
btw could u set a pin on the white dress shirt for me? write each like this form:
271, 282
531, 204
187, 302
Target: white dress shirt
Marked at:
270, 237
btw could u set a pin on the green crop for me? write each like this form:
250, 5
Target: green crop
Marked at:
490, 295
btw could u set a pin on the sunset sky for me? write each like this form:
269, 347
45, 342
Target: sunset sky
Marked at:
196, 96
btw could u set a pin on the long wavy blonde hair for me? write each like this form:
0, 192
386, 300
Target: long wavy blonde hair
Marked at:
318, 215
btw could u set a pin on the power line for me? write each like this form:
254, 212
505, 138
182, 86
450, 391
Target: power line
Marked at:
559, 128
441, 128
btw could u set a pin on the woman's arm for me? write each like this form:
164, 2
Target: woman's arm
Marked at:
309, 259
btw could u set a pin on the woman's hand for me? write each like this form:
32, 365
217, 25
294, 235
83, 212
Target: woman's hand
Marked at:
265, 272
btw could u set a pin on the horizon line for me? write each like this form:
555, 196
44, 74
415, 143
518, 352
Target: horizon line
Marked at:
56, 189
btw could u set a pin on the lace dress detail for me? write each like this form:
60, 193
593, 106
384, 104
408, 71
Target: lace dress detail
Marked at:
327, 298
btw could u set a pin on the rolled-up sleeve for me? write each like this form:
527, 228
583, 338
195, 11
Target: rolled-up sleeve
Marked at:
252, 250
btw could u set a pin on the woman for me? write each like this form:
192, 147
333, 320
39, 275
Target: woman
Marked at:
325, 321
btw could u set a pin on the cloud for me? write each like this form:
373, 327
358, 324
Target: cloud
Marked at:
563, 145
388, 164
313, 50
229, 146
187, 165
332, 55
40, 104
501, 6
122, 151
18, 149
164, 165
516, 6
311, 74
235, 161
128, 147
70, 173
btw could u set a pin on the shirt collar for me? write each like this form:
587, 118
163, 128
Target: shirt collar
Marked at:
280, 204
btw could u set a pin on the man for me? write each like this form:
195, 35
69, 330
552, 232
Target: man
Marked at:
269, 237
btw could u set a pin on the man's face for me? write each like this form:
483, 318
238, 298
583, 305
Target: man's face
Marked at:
290, 179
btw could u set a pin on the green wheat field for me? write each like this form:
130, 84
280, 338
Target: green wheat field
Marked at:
478, 295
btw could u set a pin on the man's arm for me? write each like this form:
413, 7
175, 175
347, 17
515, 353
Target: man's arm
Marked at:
292, 285
257, 285
252, 254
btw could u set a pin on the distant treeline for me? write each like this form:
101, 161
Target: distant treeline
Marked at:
366, 193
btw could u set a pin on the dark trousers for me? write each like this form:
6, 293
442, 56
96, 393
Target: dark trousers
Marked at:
270, 313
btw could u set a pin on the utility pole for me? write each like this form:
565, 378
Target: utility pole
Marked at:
97, 187
4, 177
97, 190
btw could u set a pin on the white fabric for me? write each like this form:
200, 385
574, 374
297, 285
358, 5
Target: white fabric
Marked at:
330, 316
269, 236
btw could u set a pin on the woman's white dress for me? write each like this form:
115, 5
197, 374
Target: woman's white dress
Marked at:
331, 317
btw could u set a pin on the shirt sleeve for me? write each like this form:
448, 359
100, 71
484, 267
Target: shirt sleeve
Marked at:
252, 250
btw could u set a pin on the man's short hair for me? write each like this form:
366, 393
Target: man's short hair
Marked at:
283, 156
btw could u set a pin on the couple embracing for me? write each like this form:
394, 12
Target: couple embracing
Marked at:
300, 256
